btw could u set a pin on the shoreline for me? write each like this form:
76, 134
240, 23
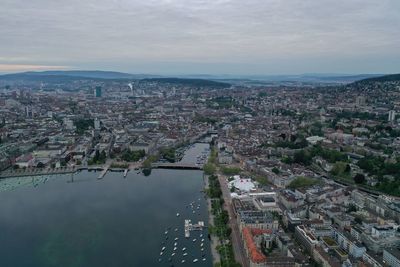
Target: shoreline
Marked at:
214, 239
38, 172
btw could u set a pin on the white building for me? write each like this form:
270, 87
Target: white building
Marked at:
392, 116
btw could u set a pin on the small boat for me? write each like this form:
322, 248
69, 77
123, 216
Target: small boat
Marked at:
176, 238
159, 260
166, 232
183, 261
177, 215
185, 254
202, 240
175, 248
194, 240
201, 244
183, 249
163, 248
173, 254
195, 260
175, 244
204, 259
161, 253
202, 249
201, 235
176, 229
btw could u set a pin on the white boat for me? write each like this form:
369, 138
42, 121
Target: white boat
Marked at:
183, 261
166, 232
161, 253
201, 244
175, 248
176, 238
202, 249
185, 254
195, 260
194, 240
177, 215
202, 240
201, 235
183, 249
173, 254
163, 248
204, 259
176, 229
175, 244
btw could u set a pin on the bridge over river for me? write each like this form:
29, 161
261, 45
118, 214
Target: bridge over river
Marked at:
177, 165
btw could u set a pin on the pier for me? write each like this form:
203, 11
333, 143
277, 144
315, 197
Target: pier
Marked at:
192, 227
103, 172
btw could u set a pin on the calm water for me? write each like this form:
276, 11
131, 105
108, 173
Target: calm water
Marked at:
111, 222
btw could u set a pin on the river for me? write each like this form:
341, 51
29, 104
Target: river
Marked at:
80, 221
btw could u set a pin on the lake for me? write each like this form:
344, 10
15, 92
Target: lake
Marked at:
78, 220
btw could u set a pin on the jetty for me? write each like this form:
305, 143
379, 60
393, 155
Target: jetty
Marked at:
103, 172
192, 227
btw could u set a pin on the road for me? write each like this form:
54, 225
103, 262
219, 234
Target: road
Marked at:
238, 249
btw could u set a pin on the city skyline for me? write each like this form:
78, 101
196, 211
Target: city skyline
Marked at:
207, 37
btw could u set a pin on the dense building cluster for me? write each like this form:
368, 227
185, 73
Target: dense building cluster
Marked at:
319, 166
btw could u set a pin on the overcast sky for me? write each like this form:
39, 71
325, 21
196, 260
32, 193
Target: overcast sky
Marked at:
201, 36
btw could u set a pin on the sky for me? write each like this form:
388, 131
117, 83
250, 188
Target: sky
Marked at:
246, 37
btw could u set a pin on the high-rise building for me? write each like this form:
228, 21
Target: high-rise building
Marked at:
96, 124
97, 91
360, 101
392, 116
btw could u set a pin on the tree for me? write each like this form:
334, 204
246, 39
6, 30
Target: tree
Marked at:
348, 168
40, 165
358, 220
359, 178
275, 170
302, 157
146, 171
209, 169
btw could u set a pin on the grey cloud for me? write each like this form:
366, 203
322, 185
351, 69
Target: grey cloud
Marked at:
263, 36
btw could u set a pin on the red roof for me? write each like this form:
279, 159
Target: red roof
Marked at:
248, 234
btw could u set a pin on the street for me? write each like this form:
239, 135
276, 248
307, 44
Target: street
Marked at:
238, 249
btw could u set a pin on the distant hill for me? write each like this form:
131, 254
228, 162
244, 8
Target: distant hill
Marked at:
190, 82
384, 78
53, 76
59, 77
219, 81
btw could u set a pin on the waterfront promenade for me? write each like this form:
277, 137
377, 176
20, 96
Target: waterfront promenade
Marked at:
62, 170
214, 238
